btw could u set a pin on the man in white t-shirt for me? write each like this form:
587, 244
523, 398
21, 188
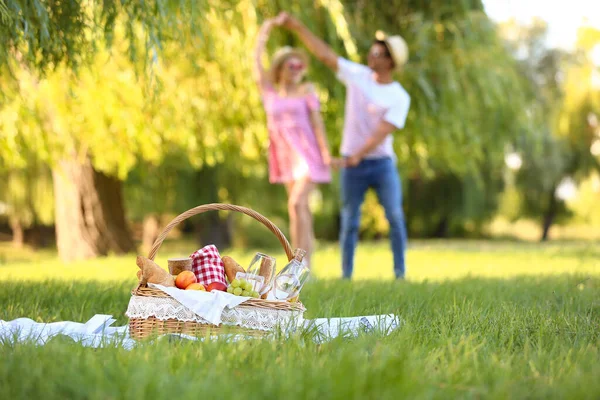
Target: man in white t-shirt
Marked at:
376, 106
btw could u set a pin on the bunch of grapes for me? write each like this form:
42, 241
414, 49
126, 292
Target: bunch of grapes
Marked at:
241, 287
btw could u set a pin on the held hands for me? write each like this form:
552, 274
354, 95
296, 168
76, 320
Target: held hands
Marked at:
338, 163
286, 20
283, 20
353, 161
335, 163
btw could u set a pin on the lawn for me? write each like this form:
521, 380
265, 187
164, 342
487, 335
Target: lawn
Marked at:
482, 319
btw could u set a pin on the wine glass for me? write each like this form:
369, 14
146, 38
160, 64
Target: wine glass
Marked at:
262, 265
290, 280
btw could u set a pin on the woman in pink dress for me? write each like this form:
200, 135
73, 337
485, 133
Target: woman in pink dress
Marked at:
298, 152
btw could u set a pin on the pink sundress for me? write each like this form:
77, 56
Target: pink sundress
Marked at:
293, 148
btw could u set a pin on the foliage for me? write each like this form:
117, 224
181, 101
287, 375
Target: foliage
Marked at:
585, 205
562, 99
28, 195
44, 35
195, 110
582, 107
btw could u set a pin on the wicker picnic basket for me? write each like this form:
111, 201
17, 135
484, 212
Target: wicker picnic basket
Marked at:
152, 311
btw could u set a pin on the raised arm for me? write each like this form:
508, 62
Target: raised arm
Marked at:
315, 45
260, 75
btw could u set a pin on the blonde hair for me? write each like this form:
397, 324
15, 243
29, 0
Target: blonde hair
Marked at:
280, 57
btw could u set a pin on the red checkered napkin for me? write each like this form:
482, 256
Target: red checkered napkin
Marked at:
208, 266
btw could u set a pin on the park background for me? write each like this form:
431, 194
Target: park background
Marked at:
117, 116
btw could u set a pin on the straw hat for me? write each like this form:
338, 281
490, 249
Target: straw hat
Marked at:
283, 54
397, 47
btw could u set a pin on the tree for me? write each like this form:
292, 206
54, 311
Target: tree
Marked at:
44, 35
27, 194
561, 100
39, 37
179, 87
467, 104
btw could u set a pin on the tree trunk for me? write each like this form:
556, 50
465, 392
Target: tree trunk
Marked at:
38, 236
90, 218
212, 229
441, 230
18, 235
549, 216
150, 231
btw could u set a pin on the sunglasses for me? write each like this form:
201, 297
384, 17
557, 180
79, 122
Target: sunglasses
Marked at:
379, 53
295, 66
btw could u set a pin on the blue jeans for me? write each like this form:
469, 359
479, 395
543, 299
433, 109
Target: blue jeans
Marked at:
381, 175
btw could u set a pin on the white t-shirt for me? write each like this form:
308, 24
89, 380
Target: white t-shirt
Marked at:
367, 103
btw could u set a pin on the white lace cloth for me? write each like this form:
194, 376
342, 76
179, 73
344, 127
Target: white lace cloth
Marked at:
164, 308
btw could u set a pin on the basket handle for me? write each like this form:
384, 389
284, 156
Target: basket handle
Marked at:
220, 207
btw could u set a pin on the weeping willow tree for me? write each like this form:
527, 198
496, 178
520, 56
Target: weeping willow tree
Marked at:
164, 89
27, 196
563, 99
25, 180
468, 103
577, 122
530, 190
103, 123
77, 124
467, 100
44, 35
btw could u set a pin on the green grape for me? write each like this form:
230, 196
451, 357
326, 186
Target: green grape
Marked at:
237, 291
248, 286
230, 289
246, 293
235, 283
255, 294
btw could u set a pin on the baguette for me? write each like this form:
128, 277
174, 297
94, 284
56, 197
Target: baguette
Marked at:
266, 271
231, 268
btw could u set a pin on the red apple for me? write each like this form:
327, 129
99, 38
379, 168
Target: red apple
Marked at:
195, 286
185, 279
216, 286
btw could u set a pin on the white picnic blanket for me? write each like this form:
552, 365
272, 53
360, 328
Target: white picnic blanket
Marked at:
97, 332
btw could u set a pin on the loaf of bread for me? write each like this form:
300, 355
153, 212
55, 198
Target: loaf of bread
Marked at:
152, 273
266, 271
231, 268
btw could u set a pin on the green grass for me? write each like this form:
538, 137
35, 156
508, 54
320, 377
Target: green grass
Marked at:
482, 320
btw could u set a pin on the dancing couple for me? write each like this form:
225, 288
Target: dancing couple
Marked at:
299, 156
